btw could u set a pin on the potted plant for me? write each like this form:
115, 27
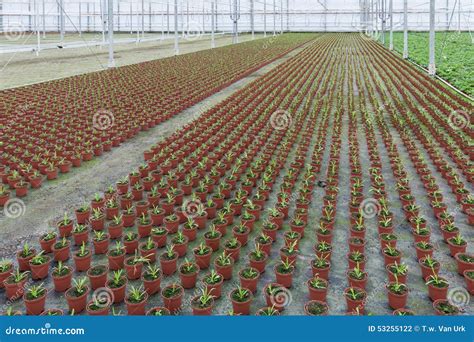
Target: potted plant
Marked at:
203, 303
158, 311
277, 296
24, 256
82, 258
171, 223
97, 276
83, 214
39, 266
241, 299
15, 285
289, 252
397, 295
249, 278
152, 279
180, 243
116, 257
47, 241
469, 277
76, 296
465, 262
320, 266
61, 250
136, 301
62, 277
284, 273
429, 266
397, 272
202, 255
98, 306
391, 255
6, 270
437, 287
457, 244
224, 265
241, 232
130, 242
117, 285
35, 299
403, 312
258, 258
80, 234
172, 296
148, 250
442, 307
318, 288
169, 260
159, 235
268, 311
355, 298
265, 243
213, 237
357, 278
115, 227
190, 229
65, 226
316, 308
188, 272
213, 282
134, 266
100, 242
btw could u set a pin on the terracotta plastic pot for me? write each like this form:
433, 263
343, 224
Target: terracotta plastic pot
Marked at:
35, 306
136, 309
40, 271
173, 304
397, 301
241, 308
77, 303
168, 267
62, 283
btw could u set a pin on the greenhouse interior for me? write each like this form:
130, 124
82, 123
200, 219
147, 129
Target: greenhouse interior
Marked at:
236, 157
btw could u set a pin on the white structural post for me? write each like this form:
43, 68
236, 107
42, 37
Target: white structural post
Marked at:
391, 24
131, 18
274, 17
110, 18
143, 18
61, 20
102, 16
447, 15
235, 16
281, 16
252, 23
377, 19
288, 15
44, 19
405, 29
88, 8
176, 38
80, 21
217, 16
37, 27
382, 10
459, 16
149, 17
168, 18
432, 62
213, 42
264, 18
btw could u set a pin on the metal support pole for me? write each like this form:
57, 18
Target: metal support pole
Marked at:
80, 21
405, 29
274, 18
176, 38
391, 24
88, 17
377, 19
61, 20
432, 62
44, 19
131, 18
102, 14
149, 17
264, 18
447, 15
37, 27
383, 21
288, 15
110, 18
217, 17
252, 23
168, 18
235, 16
281, 16
459, 16
118, 16
143, 18
213, 42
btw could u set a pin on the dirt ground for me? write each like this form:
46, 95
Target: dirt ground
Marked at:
23, 68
